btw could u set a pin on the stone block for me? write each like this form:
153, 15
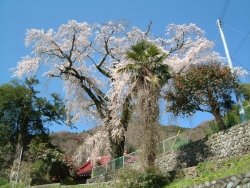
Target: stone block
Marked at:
245, 181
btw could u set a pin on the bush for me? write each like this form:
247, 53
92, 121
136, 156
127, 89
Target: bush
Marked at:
179, 143
148, 178
214, 126
39, 170
231, 119
67, 181
208, 132
39, 181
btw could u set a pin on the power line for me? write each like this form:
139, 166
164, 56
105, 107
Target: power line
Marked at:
236, 30
224, 10
241, 64
241, 43
217, 36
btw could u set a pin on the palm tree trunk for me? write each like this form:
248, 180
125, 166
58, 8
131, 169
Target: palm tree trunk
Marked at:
149, 114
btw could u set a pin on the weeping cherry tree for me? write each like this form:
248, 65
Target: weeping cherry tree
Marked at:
87, 57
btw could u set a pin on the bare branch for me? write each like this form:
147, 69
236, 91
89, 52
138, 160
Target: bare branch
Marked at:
149, 27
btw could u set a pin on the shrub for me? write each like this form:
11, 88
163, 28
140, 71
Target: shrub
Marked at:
148, 178
67, 181
208, 132
214, 126
39, 170
180, 143
231, 119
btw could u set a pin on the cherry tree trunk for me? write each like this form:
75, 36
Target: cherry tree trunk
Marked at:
117, 147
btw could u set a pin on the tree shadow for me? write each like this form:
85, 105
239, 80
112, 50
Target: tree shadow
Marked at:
189, 155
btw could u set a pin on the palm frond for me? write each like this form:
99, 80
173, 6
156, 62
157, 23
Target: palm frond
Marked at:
148, 59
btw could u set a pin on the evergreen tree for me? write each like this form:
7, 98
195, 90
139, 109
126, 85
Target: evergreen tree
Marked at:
24, 115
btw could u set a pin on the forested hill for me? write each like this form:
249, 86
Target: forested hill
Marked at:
69, 142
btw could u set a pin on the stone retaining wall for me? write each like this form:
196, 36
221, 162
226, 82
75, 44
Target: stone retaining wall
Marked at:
238, 181
225, 144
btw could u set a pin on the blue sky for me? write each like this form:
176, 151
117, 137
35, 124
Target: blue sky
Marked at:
18, 15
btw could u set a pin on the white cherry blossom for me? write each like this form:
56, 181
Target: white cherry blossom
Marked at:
86, 58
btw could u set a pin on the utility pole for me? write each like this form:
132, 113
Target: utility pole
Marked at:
238, 95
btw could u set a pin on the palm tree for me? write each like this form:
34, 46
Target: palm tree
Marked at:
148, 75
146, 64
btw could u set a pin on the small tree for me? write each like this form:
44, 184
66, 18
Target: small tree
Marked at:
52, 161
245, 88
232, 117
203, 87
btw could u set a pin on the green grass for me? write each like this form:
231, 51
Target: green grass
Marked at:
3, 182
90, 186
210, 171
12, 185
